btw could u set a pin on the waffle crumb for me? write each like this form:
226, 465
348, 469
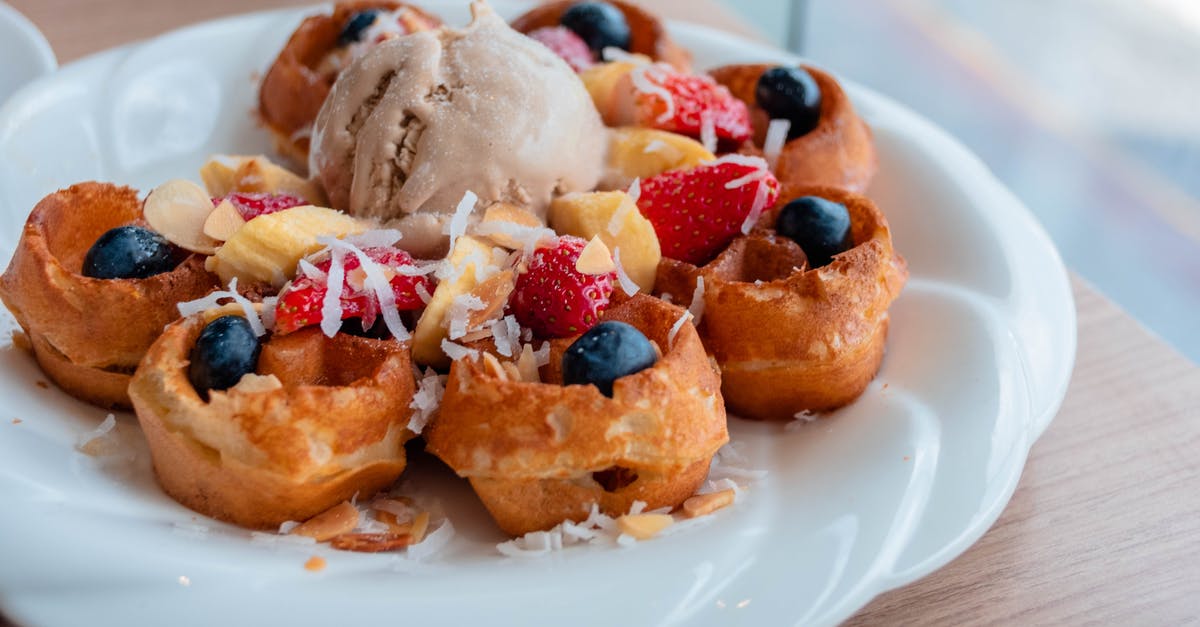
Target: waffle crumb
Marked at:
315, 563
17, 421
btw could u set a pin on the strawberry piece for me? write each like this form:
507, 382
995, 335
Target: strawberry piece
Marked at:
250, 205
553, 298
693, 212
566, 44
693, 98
300, 304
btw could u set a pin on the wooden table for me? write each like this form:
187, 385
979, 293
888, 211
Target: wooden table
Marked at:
1105, 525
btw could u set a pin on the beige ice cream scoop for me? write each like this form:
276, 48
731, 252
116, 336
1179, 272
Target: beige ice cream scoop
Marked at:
421, 119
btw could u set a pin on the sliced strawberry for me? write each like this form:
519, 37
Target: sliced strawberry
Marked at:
250, 205
696, 215
300, 304
553, 298
566, 44
693, 101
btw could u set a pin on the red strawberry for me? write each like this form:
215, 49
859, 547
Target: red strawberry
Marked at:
556, 300
693, 98
693, 212
566, 44
250, 205
300, 304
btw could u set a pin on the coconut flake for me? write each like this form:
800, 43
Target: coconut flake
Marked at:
758, 163
611, 54
629, 285
423, 293
331, 303
375, 238
457, 225
506, 333
683, 318
311, 271
375, 280
456, 351
460, 313
213, 300
641, 77
655, 146
697, 306
541, 356
433, 543
757, 207
426, 399
99, 441
708, 131
529, 238
777, 132
617, 222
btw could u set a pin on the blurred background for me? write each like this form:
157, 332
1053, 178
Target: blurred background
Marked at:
1089, 110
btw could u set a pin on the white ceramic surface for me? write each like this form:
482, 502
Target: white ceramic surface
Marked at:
887, 490
24, 52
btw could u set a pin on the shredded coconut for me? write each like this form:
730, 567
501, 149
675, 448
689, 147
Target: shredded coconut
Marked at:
642, 81
757, 207
311, 271
433, 543
213, 300
629, 285
460, 312
99, 441
697, 306
777, 132
635, 192
708, 131
542, 355
506, 333
375, 280
331, 303
456, 351
426, 399
683, 318
423, 293
457, 225
758, 163
617, 222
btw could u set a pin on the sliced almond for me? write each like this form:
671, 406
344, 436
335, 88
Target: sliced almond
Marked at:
217, 174
178, 210
335, 521
705, 504
505, 213
493, 367
494, 294
595, 258
252, 383
644, 526
511, 370
395, 525
527, 365
371, 542
223, 222
420, 526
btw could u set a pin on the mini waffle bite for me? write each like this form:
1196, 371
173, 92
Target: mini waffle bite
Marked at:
804, 124
93, 287
796, 312
295, 86
538, 452
306, 422
580, 31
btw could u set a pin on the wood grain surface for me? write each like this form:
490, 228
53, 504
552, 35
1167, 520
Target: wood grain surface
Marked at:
1105, 524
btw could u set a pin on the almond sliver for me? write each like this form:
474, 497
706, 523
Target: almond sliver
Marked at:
223, 222
595, 258
335, 521
178, 210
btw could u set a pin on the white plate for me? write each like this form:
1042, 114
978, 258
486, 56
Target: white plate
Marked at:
25, 52
883, 493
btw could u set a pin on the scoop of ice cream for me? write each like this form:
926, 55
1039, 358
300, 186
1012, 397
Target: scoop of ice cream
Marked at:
418, 121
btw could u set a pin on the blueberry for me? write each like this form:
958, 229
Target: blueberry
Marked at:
599, 24
353, 30
821, 227
790, 93
226, 349
607, 352
130, 252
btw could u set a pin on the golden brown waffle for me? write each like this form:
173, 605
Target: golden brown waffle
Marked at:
788, 338
89, 334
839, 152
541, 453
256, 457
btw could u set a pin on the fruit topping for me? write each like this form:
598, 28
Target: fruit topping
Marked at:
224, 174
615, 219
301, 304
821, 227
226, 350
635, 152
697, 212
130, 252
353, 31
469, 263
250, 205
599, 24
553, 298
566, 44
608, 351
790, 93
178, 210
692, 105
